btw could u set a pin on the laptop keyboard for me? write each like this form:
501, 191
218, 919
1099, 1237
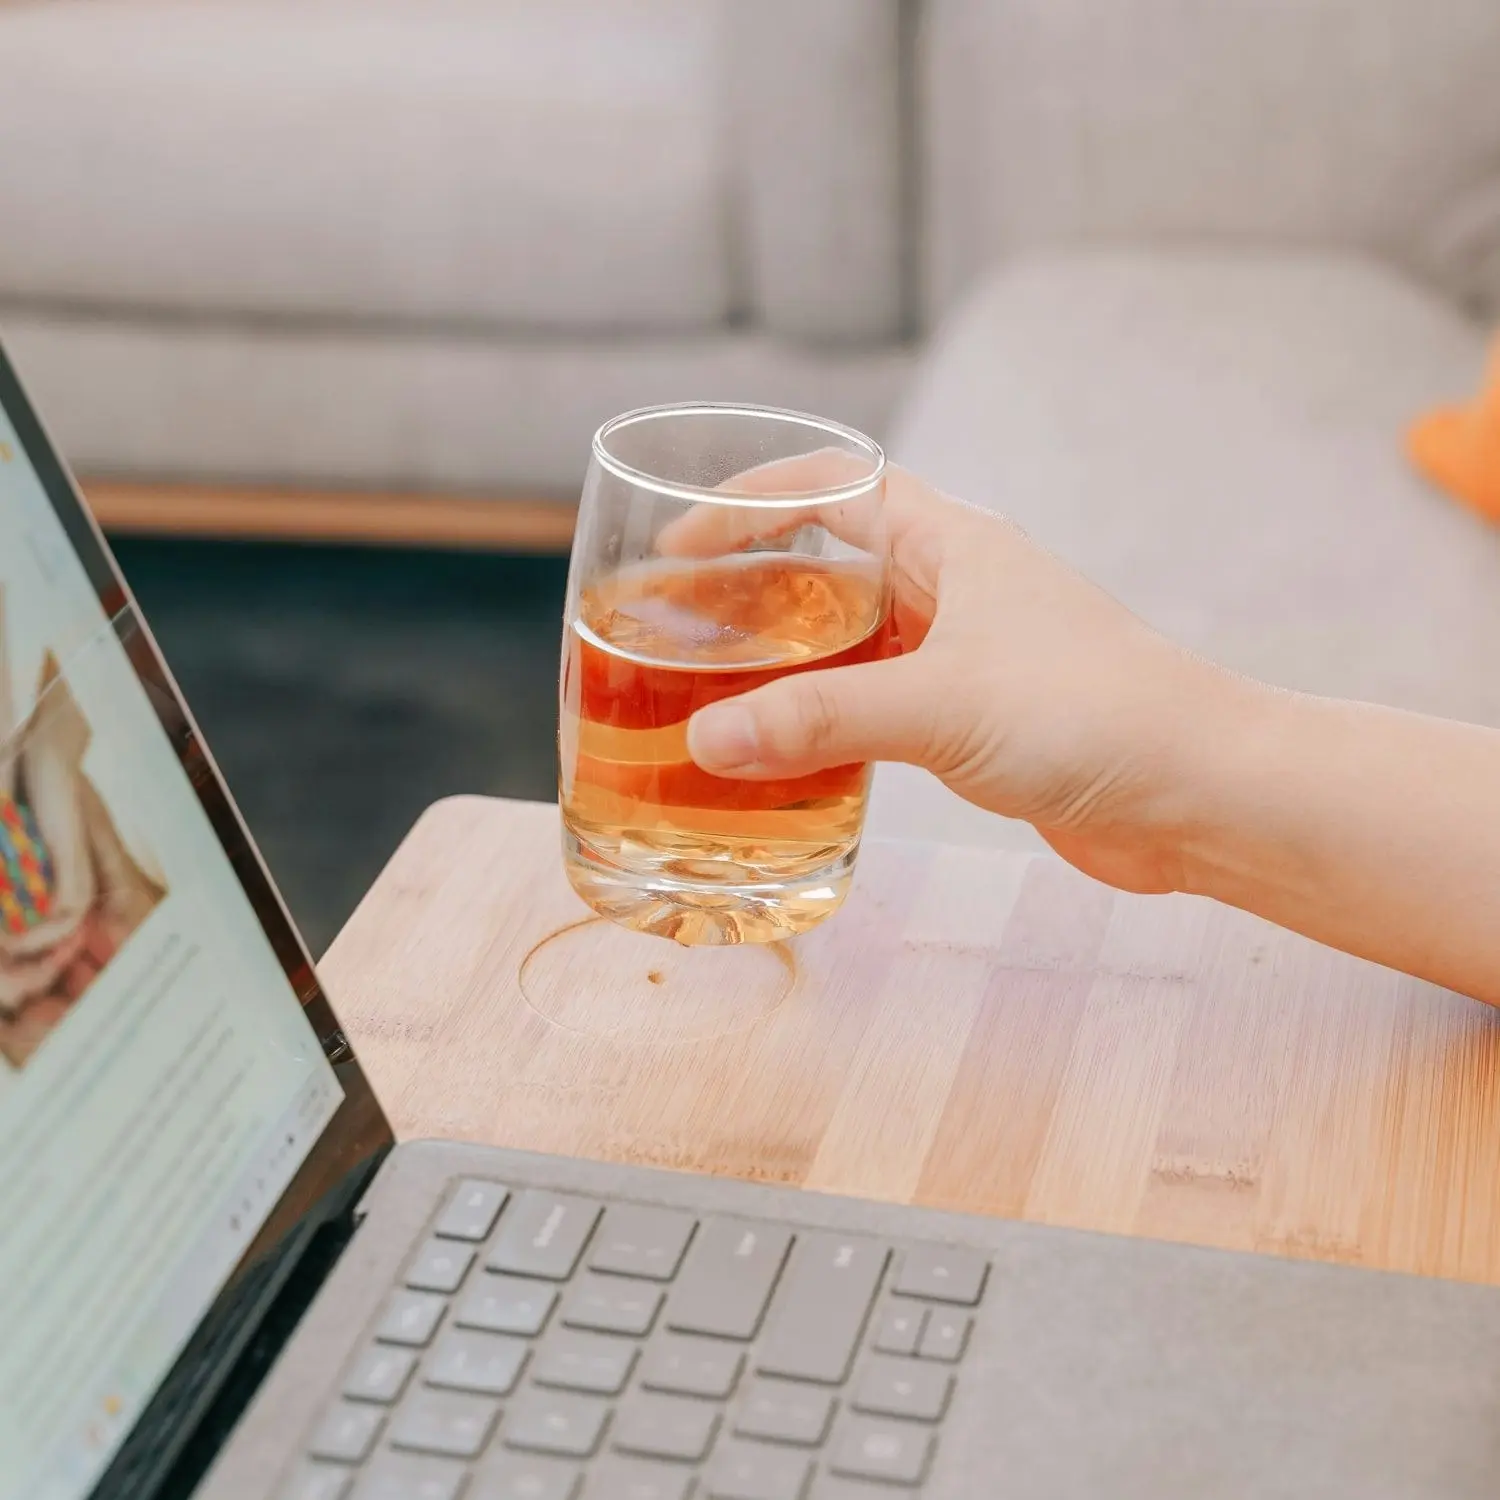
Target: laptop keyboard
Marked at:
545, 1346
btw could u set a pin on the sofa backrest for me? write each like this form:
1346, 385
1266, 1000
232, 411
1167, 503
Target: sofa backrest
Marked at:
577, 166
820, 132
1360, 123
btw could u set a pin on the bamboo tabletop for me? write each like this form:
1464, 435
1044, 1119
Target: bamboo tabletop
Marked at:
976, 1030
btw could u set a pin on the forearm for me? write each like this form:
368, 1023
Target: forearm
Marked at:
1374, 831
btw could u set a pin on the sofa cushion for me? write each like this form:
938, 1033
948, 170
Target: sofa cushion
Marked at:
551, 163
196, 399
1218, 441
1334, 123
817, 93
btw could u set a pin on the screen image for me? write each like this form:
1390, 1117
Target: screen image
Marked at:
73, 887
160, 1083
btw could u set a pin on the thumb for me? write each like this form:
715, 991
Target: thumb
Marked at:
812, 720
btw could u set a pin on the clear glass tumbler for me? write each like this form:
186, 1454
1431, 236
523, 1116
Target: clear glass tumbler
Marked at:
719, 547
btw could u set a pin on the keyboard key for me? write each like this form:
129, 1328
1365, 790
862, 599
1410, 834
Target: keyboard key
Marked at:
831, 1487
404, 1476
822, 1308
899, 1330
411, 1318
728, 1278
554, 1422
472, 1210
347, 1433
691, 1366
487, 1364
440, 1266
945, 1335
379, 1374
782, 1412
666, 1427
638, 1241
319, 1482
585, 1362
943, 1273
895, 1452
903, 1388
439, 1422
749, 1471
506, 1304
637, 1479
608, 1305
543, 1235
521, 1476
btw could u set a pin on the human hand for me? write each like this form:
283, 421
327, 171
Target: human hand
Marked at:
1027, 690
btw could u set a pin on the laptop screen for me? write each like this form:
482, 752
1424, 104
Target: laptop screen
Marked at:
161, 1083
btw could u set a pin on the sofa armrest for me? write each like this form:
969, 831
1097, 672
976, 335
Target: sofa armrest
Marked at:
820, 132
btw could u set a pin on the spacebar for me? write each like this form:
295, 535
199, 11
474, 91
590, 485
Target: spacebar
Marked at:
818, 1317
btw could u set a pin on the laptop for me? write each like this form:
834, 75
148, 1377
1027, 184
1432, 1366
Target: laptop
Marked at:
220, 1276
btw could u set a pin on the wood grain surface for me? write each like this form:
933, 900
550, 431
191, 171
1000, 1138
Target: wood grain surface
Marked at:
980, 1031
372, 519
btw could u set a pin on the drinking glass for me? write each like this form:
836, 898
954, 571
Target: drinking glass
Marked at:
719, 547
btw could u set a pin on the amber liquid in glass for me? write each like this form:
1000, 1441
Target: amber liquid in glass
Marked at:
652, 841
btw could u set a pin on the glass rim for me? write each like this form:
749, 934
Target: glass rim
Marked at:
717, 495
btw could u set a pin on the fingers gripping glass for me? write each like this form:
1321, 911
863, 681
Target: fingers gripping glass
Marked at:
719, 548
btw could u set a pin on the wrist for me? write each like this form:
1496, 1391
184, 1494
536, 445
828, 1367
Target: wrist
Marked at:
1172, 818
1230, 781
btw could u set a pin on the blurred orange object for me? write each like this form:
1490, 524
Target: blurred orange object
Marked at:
1458, 447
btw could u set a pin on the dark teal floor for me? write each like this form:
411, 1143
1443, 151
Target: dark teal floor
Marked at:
344, 690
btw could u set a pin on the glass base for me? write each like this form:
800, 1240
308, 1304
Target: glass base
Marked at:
596, 980
704, 913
